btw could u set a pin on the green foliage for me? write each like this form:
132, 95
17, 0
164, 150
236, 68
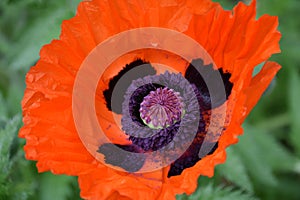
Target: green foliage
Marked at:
7, 135
208, 191
16, 181
265, 164
294, 94
235, 171
56, 187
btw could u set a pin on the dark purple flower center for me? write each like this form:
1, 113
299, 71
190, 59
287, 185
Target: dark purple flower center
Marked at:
161, 108
156, 119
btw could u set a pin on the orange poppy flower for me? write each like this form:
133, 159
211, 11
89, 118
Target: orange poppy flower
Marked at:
157, 123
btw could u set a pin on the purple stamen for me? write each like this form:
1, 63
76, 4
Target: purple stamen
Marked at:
161, 108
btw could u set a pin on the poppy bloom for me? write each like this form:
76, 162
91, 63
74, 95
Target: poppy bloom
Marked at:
165, 117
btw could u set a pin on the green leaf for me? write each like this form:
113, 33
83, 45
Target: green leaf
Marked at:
15, 94
22, 183
39, 32
294, 96
209, 192
4, 86
55, 187
4, 44
7, 136
16, 176
75, 195
254, 157
288, 187
275, 154
234, 170
3, 109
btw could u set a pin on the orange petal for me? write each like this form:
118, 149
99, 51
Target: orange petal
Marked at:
259, 84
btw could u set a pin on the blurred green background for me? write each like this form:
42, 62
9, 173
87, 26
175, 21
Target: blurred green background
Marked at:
265, 164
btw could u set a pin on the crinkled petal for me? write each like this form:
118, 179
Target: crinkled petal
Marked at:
259, 84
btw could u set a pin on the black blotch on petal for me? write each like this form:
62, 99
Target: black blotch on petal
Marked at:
115, 104
214, 148
197, 72
190, 156
128, 157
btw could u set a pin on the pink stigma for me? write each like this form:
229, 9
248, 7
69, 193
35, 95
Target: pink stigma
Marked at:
161, 108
